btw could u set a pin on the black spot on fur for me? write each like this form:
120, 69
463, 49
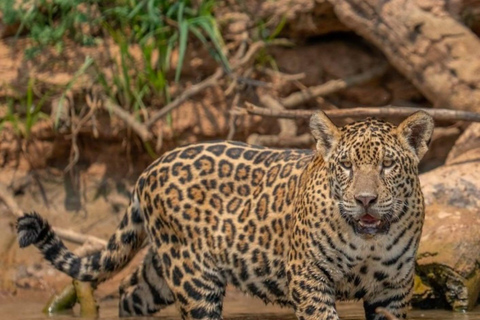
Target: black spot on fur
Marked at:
217, 149
191, 152
128, 237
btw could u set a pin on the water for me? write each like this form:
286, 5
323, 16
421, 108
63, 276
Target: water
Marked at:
241, 309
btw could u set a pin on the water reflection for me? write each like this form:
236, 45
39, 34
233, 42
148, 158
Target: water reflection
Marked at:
239, 310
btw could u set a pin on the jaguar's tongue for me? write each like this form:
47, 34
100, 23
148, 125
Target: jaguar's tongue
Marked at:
368, 219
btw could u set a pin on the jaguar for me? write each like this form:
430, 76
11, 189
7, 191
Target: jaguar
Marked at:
298, 228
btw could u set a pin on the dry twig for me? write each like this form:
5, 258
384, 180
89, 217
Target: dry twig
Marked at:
288, 127
288, 130
332, 86
191, 91
233, 117
74, 152
387, 111
139, 128
301, 141
283, 76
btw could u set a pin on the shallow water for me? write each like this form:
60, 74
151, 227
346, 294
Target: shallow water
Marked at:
235, 310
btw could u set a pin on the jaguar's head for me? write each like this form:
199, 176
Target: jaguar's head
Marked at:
373, 167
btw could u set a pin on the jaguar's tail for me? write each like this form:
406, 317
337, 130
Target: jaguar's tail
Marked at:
122, 246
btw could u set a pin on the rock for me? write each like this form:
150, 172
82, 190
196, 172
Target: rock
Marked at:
448, 261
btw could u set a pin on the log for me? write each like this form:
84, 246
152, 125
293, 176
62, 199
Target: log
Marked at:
426, 42
467, 147
448, 272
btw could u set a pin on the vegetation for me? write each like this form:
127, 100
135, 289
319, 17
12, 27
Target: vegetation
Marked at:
157, 27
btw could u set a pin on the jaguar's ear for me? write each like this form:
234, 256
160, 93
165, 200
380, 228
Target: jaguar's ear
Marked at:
325, 133
415, 132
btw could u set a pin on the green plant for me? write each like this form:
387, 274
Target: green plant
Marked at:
154, 28
159, 27
49, 21
24, 113
267, 35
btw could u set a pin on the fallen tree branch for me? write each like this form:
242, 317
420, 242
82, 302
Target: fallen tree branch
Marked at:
191, 91
362, 112
68, 235
139, 128
288, 127
332, 86
257, 46
287, 137
74, 237
302, 141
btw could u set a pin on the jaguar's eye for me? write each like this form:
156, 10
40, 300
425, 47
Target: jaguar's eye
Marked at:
346, 164
387, 163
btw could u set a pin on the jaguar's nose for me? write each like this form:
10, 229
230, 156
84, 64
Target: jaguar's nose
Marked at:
366, 199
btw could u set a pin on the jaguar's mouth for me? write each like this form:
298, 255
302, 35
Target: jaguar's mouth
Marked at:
369, 225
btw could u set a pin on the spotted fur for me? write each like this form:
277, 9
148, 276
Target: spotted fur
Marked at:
297, 228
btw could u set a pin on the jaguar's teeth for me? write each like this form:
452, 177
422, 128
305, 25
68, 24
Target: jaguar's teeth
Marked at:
375, 224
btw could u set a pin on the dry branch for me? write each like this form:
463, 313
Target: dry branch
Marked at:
288, 127
74, 237
68, 235
257, 46
191, 91
301, 141
332, 86
387, 111
136, 126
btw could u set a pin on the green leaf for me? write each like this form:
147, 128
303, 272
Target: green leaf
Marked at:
182, 47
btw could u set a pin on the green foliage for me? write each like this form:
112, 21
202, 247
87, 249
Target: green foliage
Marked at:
49, 21
267, 35
161, 25
23, 113
156, 27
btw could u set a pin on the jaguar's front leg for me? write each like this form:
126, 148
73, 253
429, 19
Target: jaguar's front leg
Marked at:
394, 298
312, 293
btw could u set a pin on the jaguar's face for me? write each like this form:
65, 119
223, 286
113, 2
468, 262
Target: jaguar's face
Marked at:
373, 168
371, 176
